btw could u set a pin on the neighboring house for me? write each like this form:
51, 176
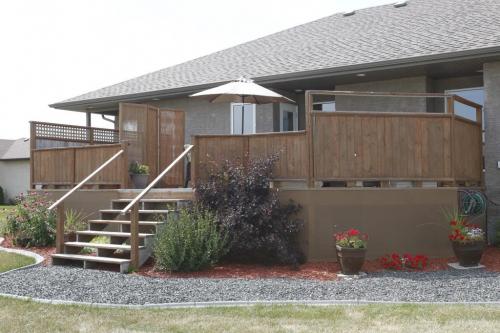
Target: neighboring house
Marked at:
14, 167
433, 49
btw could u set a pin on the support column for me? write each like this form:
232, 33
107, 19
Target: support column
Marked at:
492, 144
89, 119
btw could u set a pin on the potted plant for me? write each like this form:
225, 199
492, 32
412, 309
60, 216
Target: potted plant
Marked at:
467, 240
351, 250
74, 221
139, 174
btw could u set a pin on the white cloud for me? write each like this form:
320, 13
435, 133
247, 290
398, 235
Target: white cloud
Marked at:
56, 49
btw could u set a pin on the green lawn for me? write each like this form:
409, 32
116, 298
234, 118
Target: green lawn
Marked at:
10, 261
26, 316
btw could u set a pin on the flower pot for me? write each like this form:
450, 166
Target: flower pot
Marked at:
139, 181
468, 253
351, 260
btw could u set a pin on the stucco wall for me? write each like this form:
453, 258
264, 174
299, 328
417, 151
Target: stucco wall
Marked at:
401, 220
441, 85
14, 177
384, 104
214, 118
492, 144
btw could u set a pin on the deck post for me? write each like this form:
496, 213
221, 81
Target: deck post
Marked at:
195, 160
479, 120
309, 139
32, 147
134, 236
451, 111
60, 219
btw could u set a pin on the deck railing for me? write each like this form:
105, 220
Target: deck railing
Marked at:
362, 146
50, 135
66, 167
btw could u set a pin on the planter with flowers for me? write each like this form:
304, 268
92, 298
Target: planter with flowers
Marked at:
467, 240
139, 174
351, 250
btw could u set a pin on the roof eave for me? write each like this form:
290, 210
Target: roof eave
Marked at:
345, 70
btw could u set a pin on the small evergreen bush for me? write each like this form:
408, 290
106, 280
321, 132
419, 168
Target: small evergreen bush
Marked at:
2, 197
259, 227
190, 241
31, 223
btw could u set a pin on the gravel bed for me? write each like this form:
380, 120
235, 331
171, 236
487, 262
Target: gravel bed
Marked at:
74, 284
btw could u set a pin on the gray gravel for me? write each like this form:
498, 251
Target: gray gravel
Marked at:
73, 284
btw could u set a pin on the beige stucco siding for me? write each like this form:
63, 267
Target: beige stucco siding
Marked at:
14, 177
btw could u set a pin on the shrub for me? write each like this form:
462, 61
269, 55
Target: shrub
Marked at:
259, 228
2, 197
189, 242
31, 223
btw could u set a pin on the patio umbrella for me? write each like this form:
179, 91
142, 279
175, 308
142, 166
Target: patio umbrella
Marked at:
241, 91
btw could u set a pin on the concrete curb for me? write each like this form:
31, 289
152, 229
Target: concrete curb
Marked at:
235, 303
38, 258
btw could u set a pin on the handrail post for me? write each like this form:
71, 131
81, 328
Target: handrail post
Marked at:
451, 110
134, 236
60, 219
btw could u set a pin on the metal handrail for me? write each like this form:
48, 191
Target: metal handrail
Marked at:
93, 174
156, 180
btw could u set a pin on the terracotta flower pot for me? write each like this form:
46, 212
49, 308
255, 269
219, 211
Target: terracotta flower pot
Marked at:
351, 260
469, 253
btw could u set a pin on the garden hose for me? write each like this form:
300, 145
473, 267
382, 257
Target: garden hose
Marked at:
472, 202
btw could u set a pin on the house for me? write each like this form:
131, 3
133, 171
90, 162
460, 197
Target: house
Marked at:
14, 167
390, 96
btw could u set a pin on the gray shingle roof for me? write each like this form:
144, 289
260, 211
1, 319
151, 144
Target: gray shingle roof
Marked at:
372, 35
15, 149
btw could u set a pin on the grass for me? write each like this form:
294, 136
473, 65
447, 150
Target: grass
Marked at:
27, 316
10, 261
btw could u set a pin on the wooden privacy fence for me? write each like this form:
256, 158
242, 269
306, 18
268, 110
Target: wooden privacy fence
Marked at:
66, 167
362, 146
351, 146
49, 135
212, 150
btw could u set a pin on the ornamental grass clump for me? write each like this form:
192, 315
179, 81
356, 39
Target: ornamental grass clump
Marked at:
31, 223
259, 227
188, 242
351, 238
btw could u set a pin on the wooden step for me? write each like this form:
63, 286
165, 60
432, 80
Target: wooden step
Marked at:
151, 200
154, 223
110, 233
123, 247
141, 211
104, 260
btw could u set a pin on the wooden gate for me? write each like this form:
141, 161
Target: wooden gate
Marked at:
155, 138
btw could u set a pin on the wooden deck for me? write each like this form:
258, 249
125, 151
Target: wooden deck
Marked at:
336, 148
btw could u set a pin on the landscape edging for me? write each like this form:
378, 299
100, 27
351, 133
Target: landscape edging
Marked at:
234, 303
38, 258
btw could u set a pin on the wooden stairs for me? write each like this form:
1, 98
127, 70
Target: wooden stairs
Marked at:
106, 242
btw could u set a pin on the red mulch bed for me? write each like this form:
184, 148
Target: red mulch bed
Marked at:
314, 270
45, 252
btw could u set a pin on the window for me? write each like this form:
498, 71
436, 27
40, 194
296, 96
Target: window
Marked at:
327, 106
289, 117
242, 118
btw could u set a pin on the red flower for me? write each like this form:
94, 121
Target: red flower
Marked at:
453, 223
353, 232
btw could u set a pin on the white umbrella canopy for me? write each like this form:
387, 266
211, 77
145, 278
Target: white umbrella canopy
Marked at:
241, 91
